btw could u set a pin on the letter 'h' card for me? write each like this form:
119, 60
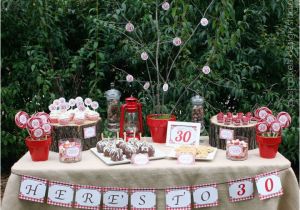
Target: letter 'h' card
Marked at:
33, 189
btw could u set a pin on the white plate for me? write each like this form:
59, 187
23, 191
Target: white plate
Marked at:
210, 155
157, 155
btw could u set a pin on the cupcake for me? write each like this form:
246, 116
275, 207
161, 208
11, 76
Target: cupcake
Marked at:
64, 119
54, 115
79, 118
92, 115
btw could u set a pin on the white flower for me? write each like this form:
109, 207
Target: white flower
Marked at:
129, 27
206, 69
165, 6
56, 102
204, 21
95, 105
52, 107
165, 87
146, 85
177, 41
88, 101
78, 99
62, 100
144, 56
129, 78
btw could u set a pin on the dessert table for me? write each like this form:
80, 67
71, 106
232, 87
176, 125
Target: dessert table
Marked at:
158, 174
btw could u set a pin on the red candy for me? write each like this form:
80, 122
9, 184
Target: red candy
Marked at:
275, 126
270, 119
34, 122
21, 119
37, 133
284, 119
261, 127
262, 112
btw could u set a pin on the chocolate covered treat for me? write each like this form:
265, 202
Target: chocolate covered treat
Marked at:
130, 150
151, 151
116, 154
100, 145
107, 149
119, 142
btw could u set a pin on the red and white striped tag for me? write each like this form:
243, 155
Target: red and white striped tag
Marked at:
87, 197
115, 198
178, 198
33, 189
205, 195
143, 199
60, 194
241, 189
268, 185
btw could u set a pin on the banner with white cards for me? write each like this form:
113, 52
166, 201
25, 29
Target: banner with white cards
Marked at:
204, 195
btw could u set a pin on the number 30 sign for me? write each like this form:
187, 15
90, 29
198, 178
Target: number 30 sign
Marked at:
180, 133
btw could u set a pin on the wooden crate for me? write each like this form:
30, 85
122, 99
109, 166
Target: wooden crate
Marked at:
89, 133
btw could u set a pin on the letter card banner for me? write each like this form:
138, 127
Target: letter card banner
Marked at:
241, 189
205, 195
268, 185
60, 194
143, 199
115, 198
87, 197
33, 189
178, 198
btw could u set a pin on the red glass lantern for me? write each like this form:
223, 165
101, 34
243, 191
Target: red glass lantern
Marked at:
131, 120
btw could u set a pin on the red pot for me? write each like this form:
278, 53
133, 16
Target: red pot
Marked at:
268, 146
158, 127
38, 149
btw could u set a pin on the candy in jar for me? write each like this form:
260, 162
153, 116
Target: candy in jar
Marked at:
70, 150
237, 149
198, 111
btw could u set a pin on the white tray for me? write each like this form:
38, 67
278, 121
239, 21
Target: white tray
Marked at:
157, 155
210, 155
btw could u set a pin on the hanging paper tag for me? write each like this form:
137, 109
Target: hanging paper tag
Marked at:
183, 133
178, 198
143, 199
140, 159
33, 189
268, 185
241, 189
186, 158
226, 134
89, 132
60, 194
205, 195
87, 197
115, 198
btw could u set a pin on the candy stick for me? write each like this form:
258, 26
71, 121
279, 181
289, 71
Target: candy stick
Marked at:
134, 133
125, 136
117, 134
102, 136
140, 136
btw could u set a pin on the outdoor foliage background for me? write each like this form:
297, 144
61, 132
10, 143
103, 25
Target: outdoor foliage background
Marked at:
68, 48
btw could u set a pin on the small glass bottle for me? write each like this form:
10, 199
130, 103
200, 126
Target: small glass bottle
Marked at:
113, 108
198, 111
70, 150
237, 149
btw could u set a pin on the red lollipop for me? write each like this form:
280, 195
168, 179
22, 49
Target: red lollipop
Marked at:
37, 133
34, 122
44, 117
47, 128
270, 118
275, 126
261, 127
21, 119
284, 119
263, 112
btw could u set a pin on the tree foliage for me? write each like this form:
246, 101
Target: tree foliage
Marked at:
65, 48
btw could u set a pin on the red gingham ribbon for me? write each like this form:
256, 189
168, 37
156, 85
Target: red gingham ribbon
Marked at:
106, 189
49, 201
195, 187
167, 190
25, 197
263, 197
77, 205
142, 190
243, 198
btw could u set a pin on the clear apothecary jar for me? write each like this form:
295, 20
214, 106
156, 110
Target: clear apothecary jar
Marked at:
198, 111
237, 149
113, 108
69, 150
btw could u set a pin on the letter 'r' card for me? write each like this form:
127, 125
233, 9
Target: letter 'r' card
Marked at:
33, 189
87, 197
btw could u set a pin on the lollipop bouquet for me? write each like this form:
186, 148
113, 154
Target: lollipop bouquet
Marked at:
39, 129
268, 130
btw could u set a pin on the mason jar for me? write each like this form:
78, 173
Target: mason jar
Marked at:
113, 109
198, 111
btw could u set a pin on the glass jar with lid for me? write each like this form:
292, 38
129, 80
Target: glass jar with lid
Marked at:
113, 108
197, 110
